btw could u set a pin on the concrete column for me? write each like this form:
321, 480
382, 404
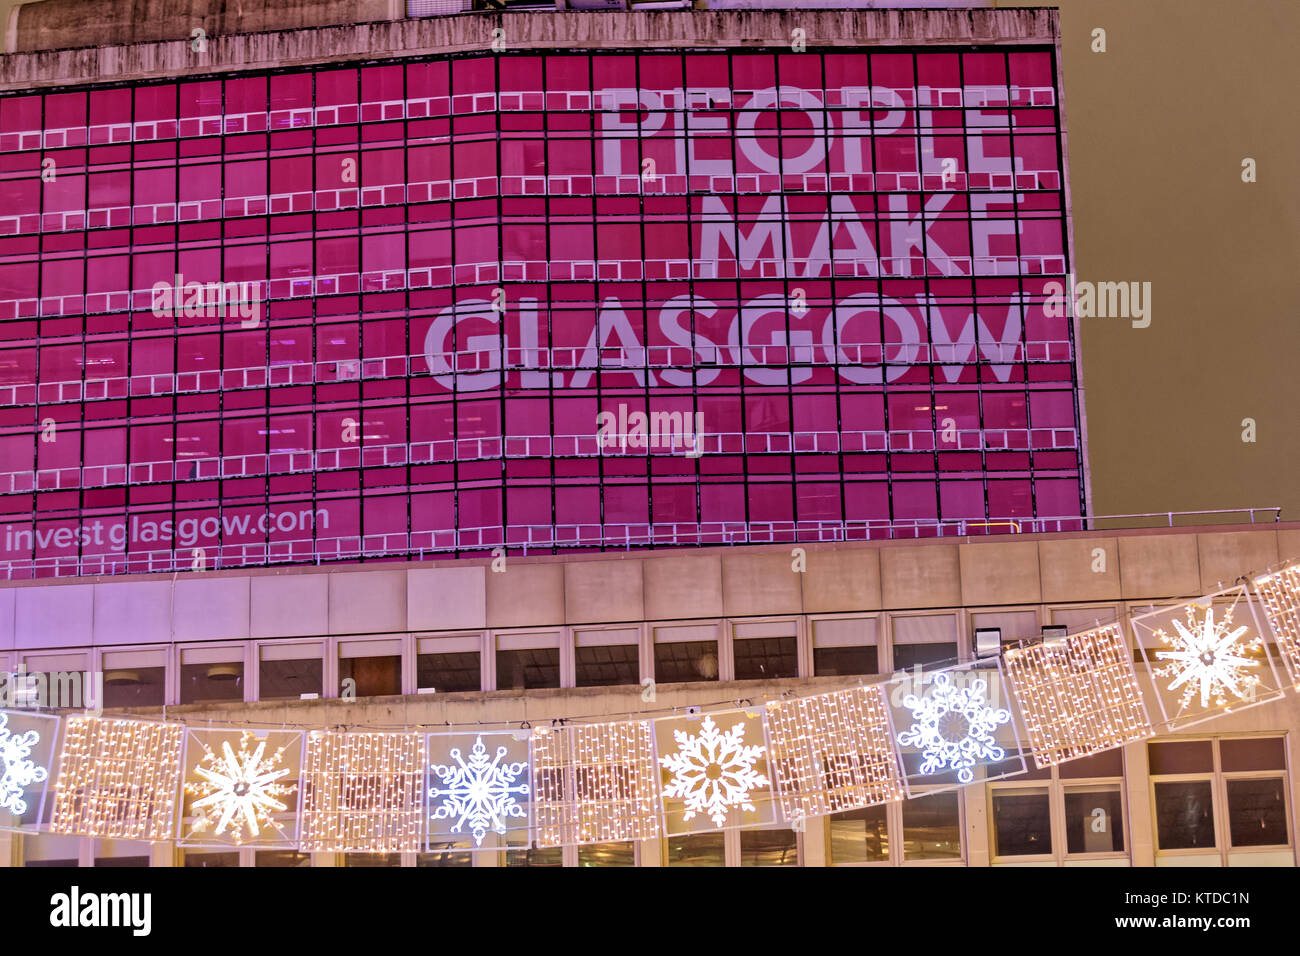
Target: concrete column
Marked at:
976, 799
814, 842
1140, 832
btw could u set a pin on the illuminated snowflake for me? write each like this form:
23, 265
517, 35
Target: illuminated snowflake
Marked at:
20, 771
480, 792
1208, 658
239, 790
713, 771
953, 727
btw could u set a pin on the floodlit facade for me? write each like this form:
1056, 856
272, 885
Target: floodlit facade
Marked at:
496, 370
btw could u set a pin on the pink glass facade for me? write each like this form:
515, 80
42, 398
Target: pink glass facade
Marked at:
378, 310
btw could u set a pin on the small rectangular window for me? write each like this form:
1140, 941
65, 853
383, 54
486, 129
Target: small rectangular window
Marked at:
1022, 822
607, 854
859, 836
924, 641
1094, 819
845, 647
696, 849
1180, 756
1257, 812
932, 827
686, 653
607, 658
1184, 815
769, 848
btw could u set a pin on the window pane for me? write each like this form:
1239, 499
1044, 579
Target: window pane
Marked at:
1109, 763
551, 856
528, 668
607, 665
1022, 822
205, 682
446, 854
289, 680
1252, 753
134, 687
766, 657
1183, 756
837, 661
372, 859
932, 828
1094, 820
859, 836
1257, 812
769, 848
121, 861
211, 859
281, 858
449, 673
607, 854
1184, 815
374, 676
681, 661
908, 656
697, 849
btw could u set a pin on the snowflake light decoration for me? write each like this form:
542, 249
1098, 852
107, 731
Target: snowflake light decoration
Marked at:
480, 792
953, 727
714, 771
239, 790
1207, 658
20, 770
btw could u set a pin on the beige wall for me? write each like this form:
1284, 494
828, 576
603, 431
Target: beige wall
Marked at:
393, 598
1158, 126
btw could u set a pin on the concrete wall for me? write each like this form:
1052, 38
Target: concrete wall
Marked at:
60, 24
555, 591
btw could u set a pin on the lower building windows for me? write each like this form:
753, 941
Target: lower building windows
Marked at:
135, 687
1022, 822
765, 658
203, 681
550, 856
528, 661
372, 859
607, 854
1094, 819
844, 646
686, 653
859, 836
528, 668
1081, 799
925, 828
290, 679
696, 849
606, 666
446, 854
1257, 812
932, 827
1221, 800
370, 676
281, 858
769, 848
230, 858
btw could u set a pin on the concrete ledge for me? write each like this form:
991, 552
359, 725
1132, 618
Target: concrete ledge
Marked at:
535, 31
555, 591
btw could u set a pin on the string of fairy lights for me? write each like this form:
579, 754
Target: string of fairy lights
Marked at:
603, 780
